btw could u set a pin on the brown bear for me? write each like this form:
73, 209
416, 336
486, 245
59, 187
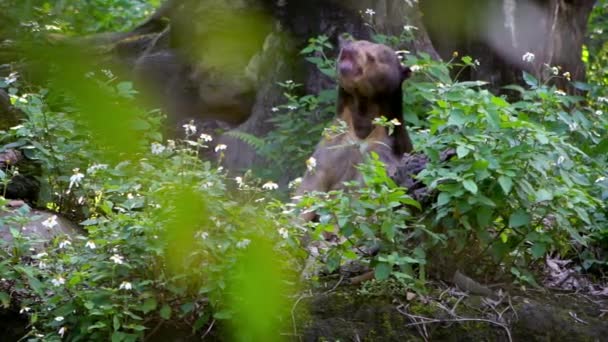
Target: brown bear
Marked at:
369, 86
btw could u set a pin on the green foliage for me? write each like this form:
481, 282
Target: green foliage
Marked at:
167, 237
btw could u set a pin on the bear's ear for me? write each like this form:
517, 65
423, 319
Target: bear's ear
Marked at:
406, 72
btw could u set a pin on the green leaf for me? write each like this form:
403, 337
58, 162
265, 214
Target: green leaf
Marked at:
543, 195
538, 250
148, 305
165, 312
462, 151
506, 183
443, 198
530, 80
519, 218
382, 271
470, 186
5, 299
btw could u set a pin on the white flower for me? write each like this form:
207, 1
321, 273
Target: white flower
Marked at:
117, 258
560, 92
58, 281
294, 183
415, 68
108, 73
602, 99
93, 168
90, 244
600, 179
189, 128
598, 112
573, 126
59, 318
220, 147
284, 233
64, 244
204, 235
292, 107
25, 309
270, 185
171, 144
157, 148
125, 285
560, 160
370, 12
239, 181
409, 27
567, 75
274, 109
12, 77
554, 70
206, 137
42, 265
50, 222
289, 82
76, 178
62, 331
311, 164
476, 62
243, 243
528, 57
40, 255
395, 122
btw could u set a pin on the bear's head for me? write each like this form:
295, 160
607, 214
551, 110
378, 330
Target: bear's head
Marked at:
368, 69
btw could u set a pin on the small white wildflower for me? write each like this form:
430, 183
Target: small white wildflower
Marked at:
171, 144
602, 99
243, 243
157, 148
59, 318
63, 244
25, 309
476, 62
311, 164
370, 12
95, 167
270, 186
395, 122
239, 181
289, 82
290, 107
62, 331
294, 183
567, 75
560, 92
573, 126
284, 233
108, 73
220, 147
598, 112
206, 137
58, 281
42, 265
560, 160
204, 235
12, 77
90, 244
274, 109
528, 57
554, 70
600, 179
40, 255
117, 259
409, 27
415, 68
189, 128
125, 285
50, 222
75, 179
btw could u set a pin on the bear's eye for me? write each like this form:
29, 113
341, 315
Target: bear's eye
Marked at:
371, 58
